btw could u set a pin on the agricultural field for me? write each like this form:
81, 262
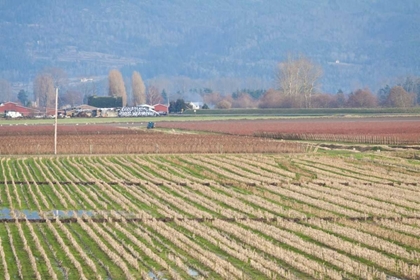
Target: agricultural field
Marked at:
190, 135
129, 139
311, 215
220, 199
393, 130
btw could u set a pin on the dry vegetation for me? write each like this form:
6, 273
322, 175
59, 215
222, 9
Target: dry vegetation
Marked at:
110, 139
205, 206
394, 130
230, 216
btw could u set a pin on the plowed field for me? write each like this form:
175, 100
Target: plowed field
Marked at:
228, 136
386, 130
212, 216
112, 139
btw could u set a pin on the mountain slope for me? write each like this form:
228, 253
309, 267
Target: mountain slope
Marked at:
372, 40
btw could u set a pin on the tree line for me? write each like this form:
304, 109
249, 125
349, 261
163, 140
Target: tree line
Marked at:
45, 83
296, 79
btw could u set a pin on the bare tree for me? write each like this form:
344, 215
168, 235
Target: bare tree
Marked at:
44, 91
153, 95
270, 99
323, 100
5, 90
286, 77
138, 88
412, 85
298, 79
72, 98
87, 88
224, 104
399, 97
212, 98
243, 100
59, 77
116, 86
362, 98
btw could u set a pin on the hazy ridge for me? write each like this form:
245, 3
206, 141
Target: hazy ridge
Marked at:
374, 41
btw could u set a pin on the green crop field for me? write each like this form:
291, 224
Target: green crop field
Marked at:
319, 215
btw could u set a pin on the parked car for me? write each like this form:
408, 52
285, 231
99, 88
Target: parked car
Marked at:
12, 115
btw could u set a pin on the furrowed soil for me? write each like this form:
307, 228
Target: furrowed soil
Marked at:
115, 139
225, 136
404, 130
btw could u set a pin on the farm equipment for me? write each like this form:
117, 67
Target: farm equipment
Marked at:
150, 125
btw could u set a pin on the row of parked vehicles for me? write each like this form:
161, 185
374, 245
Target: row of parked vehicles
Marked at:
12, 115
137, 111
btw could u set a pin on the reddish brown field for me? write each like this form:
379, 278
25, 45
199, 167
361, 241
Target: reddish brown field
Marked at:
386, 130
111, 139
233, 136
33, 130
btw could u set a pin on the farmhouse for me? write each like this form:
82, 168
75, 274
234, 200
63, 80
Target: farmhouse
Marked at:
196, 105
12, 106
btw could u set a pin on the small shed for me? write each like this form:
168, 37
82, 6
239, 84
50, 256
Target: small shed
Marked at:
161, 109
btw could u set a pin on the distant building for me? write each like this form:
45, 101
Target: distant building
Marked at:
50, 112
86, 107
161, 109
196, 105
105, 101
146, 106
12, 106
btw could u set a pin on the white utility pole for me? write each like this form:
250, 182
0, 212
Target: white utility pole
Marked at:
55, 125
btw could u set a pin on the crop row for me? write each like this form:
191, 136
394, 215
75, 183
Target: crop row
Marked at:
152, 143
393, 139
233, 216
392, 130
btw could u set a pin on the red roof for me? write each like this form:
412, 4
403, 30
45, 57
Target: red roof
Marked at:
11, 106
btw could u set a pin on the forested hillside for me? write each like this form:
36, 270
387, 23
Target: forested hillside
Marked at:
373, 41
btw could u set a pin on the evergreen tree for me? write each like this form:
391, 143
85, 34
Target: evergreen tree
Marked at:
23, 97
383, 94
164, 96
177, 106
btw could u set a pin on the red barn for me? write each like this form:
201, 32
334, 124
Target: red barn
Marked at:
11, 106
161, 109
